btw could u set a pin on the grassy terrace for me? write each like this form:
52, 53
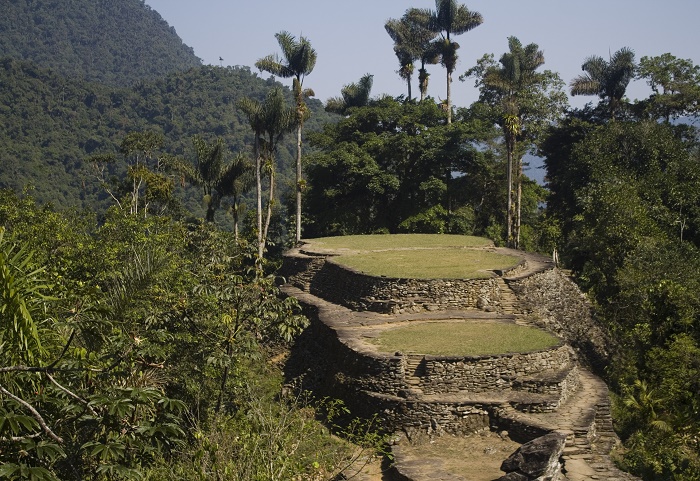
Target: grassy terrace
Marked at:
464, 339
419, 256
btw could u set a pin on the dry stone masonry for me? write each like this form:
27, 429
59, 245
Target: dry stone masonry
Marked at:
548, 399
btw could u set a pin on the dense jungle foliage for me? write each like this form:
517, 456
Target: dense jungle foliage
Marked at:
142, 348
141, 331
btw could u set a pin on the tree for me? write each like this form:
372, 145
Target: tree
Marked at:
354, 94
77, 397
398, 167
299, 61
269, 120
675, 83
216, 178
607, 79
450, 18
144, 187
412, 41
400, 33
524, 102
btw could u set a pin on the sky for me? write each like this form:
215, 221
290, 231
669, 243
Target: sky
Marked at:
350, 39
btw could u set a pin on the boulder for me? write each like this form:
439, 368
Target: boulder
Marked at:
537, 460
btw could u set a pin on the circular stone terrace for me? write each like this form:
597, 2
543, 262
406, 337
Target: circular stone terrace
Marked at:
425, 331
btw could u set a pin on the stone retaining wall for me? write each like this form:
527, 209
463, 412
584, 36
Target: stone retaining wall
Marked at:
373, 382
419, 418
488, 373
556, 304
323, 277
350, 368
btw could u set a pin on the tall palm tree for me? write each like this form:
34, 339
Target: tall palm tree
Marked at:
429, 51
269, 120
299, 61
355, 94
607, 79
513, 80
450, 18
412, 41
404, 48
525, 102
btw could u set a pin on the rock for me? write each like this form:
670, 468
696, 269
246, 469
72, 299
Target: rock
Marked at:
537, 460
514, 477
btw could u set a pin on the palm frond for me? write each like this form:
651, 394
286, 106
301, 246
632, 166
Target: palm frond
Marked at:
465, 20
299, 57
273, 65
584, 85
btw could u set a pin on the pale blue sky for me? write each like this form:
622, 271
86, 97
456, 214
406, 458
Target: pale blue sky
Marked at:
350, 39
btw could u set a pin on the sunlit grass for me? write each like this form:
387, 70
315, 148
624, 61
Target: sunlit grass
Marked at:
418, 256
471, 338
398, 241
428, 263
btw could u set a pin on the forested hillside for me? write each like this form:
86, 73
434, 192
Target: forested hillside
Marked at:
108, 41
52, 124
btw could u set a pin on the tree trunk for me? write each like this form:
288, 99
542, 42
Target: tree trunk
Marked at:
509, 181
270, 202
299, 183
258, 185
519, 181
449, 96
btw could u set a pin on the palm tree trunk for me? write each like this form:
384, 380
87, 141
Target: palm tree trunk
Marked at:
258, 185
519, 181
449, 96
270, 201
299, 182
509, 181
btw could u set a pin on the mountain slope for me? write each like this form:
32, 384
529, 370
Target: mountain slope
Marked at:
50, 124
117, 42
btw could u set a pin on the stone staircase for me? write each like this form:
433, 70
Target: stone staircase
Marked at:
509, 301
585, 420
415, 370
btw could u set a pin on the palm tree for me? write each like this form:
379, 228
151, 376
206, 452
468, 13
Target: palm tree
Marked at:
216, 178
236, 181
269, 120
299, 61
525, 102
608, 80
513, 79
404, 48
355, 94
450, 18
429, 51
412, 41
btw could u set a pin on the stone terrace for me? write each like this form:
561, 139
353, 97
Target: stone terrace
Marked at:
419, 396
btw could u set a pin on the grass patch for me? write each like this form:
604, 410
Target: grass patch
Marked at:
471, 338
398, 241
428, 263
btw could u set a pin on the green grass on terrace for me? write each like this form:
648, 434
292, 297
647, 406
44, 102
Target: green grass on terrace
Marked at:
428, 263
397, 241
416, 256
471, 338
